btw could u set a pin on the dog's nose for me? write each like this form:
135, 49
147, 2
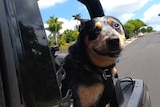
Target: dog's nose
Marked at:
113, 42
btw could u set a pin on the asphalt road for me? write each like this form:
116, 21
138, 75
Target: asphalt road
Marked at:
141, 60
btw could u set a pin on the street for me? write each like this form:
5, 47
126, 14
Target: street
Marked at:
141, 60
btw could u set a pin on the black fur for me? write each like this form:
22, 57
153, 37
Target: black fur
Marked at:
81, 71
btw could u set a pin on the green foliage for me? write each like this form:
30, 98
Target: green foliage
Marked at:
129, 29
63, 40
67, 38
146, 29
143, 30
132, 26
54, 26
149, 29
71, 35
137, 24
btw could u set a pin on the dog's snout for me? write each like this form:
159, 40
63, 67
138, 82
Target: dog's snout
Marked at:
113, 42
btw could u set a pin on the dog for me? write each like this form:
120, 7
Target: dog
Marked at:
90, 64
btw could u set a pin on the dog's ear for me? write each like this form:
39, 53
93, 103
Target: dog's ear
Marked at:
82, 24
78, 49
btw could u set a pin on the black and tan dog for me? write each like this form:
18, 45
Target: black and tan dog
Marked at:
91, 60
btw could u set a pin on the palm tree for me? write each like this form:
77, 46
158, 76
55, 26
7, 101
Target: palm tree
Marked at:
77, 16
54, 27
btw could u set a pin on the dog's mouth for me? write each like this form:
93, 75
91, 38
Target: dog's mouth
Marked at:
110, 53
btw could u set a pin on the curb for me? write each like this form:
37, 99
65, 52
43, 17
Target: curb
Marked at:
128, 41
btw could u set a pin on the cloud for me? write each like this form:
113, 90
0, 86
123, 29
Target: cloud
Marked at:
67, 24
151, 18
157, 27
126, 9
122, 7
151, 15
46, 31
43, 4
126, 16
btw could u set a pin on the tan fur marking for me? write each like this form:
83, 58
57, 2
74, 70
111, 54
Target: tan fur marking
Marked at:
98, 25
101, 61
98, 60
107, 105
114, 71
110, 20
122, 40
89, 95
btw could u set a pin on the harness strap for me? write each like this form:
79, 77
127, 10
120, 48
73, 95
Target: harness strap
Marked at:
67, 101
60, 75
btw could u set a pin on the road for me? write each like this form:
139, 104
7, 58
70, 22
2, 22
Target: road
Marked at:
141, 60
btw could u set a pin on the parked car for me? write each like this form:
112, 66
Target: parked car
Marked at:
140, 34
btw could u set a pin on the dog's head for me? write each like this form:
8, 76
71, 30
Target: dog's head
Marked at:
103, 39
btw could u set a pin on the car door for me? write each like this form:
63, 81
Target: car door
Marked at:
26, 64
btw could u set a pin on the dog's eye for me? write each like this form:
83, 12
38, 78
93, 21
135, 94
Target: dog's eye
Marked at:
93, 33
95, 30
115, 25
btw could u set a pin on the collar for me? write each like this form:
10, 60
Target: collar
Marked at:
105, 72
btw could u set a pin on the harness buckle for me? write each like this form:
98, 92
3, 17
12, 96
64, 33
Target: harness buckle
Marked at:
105, 76
67, 101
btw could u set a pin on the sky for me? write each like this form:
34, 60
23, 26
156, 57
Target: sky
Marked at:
124, 10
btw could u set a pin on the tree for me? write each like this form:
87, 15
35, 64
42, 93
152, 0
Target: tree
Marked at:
71, 35
67, 38
132, 26
78, 18
54, 26
137, 24
149, 29
143, 30
129, 29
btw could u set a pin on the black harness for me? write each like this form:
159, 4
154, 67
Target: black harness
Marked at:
106, 74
